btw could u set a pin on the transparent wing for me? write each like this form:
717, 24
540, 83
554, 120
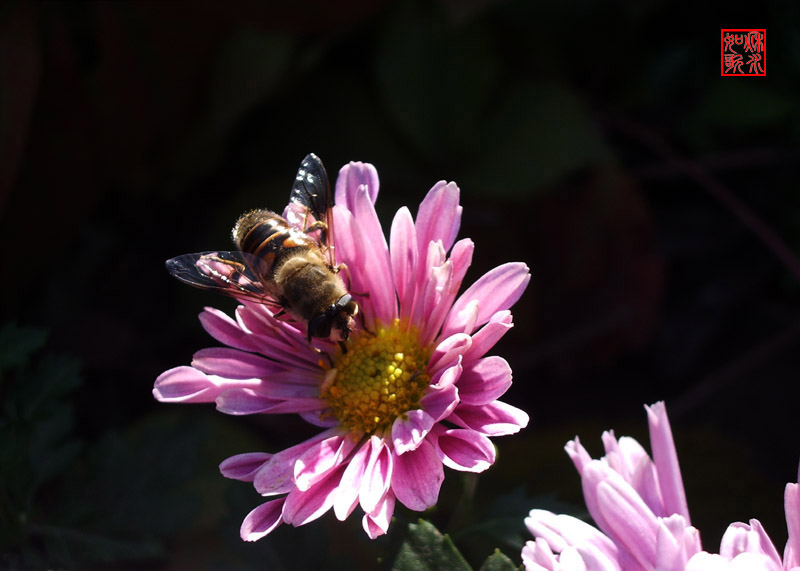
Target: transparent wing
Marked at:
233, 273
310, 206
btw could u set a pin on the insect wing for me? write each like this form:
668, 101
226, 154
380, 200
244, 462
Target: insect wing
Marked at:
311, 190
310, 206
232, 273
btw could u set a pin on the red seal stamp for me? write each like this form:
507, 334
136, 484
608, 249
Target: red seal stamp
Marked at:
743, 52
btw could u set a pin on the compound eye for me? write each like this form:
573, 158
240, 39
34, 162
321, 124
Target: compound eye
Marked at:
347, 304
320, 326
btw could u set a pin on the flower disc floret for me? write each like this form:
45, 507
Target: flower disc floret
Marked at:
380, 378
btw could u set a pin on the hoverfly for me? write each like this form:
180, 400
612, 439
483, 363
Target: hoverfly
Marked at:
288, 263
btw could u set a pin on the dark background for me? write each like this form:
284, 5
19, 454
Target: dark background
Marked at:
656, 203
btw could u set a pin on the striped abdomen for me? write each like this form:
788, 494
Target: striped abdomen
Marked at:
269, 237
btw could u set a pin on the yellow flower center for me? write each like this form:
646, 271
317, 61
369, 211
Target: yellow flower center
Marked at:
381, 377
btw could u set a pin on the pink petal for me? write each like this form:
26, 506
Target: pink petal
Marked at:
493, 419
298, 405
791, 503
376, 523
440, 401
447, 377
624, 462
410, 429
353, 177
644, 480
464, 321
417, 478
484, 380
349, 251
592, 559
461, 256
440, 293
571, 559
378, 282
485, 338
377, 476
578, 454
707, 562
676, 542
496, 290
276, 476
622, 515
323, 418
184, 384
437, 287
262, 520
304, 506
281, 341
743, 538
403, 251
225, 330
562, 531
537, 556
449, 352
439, 216
665, 458
594, 473
432, 281
629, 459
465, 450
318, 461
294, 383
244, 466
233, 363
347, 494
745, 562
241, 401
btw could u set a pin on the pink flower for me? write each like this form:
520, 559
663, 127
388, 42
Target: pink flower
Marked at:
414, 392
742, 547
639, 506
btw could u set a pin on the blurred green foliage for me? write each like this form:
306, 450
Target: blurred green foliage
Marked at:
427, 549
68, 502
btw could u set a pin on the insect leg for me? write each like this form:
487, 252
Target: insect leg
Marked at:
344, 267
318, 225
319, 351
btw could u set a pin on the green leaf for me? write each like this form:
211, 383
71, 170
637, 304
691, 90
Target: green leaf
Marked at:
498, 562
155, 458
18, 343
54, 377
36, 441
427, 549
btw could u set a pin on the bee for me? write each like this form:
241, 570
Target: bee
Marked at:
285, 263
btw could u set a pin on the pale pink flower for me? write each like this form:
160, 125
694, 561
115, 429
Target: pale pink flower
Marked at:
639, 506
742, 547
415, 391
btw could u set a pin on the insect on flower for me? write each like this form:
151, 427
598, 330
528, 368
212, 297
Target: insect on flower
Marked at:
416, 390
287, 263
